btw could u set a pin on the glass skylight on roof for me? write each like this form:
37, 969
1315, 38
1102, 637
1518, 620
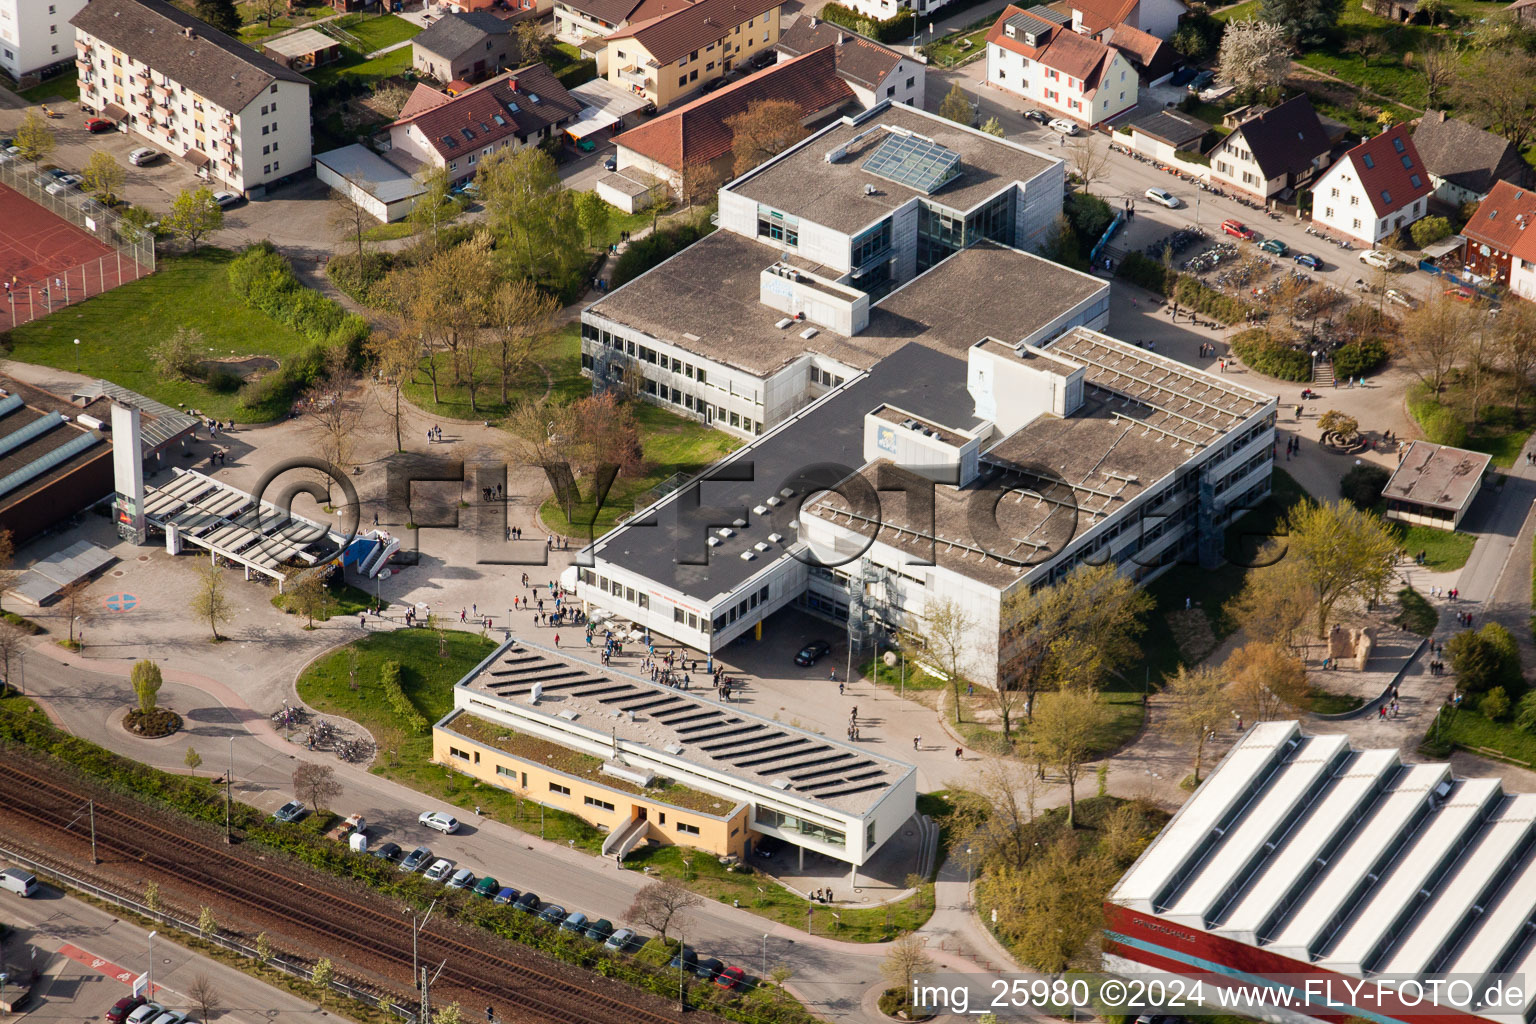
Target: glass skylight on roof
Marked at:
915, 162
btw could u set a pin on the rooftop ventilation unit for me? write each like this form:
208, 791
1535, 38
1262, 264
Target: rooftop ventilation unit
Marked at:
713, 542
834, 155
780, 783
569, 715
760, 510
673, 748
808, 333
760, 546
774, 501
747, 556
784, 323
638, 776
774, 538
738, 522
726, 531
870, 189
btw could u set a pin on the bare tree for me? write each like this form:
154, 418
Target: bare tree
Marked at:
315, 784
1494, 88
204, 995
1431, 344
1515, 330
766, 128
211, 602
72, 604
521, 316
1268, 682
907, 958
946, 631
699, 183
660, 903
1438, 63
1196, 705
12, 643
350, 219
269, 9
335, 412
993, 806
1090, 159
396, 357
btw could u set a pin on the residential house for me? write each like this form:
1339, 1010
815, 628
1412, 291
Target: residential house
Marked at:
512, 111
1463, 160
672, 55
539, 7
577, 21
239, 117
464, 47
1275, 150
1158, 18
1500, 243
696, 136
1034, 54
874, 72
1524, 12
35, 37
1153, 58
1376, 188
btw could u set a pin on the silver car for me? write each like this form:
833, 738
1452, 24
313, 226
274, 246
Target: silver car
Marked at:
440, 870
143, 155
461, 879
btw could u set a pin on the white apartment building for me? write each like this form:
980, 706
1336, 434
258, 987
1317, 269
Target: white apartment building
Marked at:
35, 36
822, 256
239, 117
1375, 189
1035, 55
874, 72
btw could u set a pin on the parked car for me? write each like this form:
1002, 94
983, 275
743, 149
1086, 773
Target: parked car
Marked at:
599, 930
812, 652
170, 1017
712, 85
145, 1013
1037, 116
1237, 229
731, 977
1183, 76
63, 183
506, 895
1201, 80
1163, 197
96, 125
621, 940
123, 1007
143, 155
1460, 293
293, 810
415, 859
1378, 258
487, 887
19, 881
554, 913
1306, 259
1275, 246
767, 846
686, 959
447, 824
574, 922
389, 852
227, 199
440, 870
528, 903
1061, 124
610, 163
461, 879
1398, 298
708, 968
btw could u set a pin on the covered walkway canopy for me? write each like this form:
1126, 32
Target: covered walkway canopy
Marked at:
225, 521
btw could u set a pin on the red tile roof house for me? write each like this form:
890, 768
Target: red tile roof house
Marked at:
874, 72
1376, 188
696, 133
1158, 18
1501, 239
512, 111
1034, 55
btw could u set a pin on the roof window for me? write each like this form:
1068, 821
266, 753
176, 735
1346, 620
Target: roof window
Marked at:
1366, 159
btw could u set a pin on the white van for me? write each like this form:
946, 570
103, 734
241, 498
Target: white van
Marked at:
22, 883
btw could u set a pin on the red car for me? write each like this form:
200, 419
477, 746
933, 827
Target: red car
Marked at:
96, 125
730, 977
1237, 229
1461, 294
123, 1007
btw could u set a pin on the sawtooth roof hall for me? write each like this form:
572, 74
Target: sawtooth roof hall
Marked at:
1302, 855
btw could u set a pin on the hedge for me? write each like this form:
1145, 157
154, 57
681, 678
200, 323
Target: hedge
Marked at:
655, 248
893, 29
264, 279
1187, 291
395, 697
1439, 422
200, 799
357, 280
579, 73
1256, 349
1359, 358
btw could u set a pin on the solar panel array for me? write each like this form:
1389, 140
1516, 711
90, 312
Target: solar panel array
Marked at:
710, 734
915, 162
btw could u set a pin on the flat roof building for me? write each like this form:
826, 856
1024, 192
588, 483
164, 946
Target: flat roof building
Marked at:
651, 761
1300, 855
1434, 484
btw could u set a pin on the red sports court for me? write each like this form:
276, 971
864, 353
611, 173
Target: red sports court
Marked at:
47, 263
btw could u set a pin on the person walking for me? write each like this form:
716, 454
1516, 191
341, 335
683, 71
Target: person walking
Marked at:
958, 754
916, 741
557, 639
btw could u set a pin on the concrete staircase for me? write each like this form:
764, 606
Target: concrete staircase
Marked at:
1322, 374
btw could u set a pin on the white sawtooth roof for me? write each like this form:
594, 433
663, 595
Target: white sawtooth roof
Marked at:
1503, 926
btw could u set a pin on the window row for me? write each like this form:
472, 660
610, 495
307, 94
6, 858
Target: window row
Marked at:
741, 608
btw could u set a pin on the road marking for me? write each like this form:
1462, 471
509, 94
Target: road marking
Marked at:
96, 963
121, 602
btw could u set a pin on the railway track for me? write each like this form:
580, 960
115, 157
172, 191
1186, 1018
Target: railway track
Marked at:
340, 920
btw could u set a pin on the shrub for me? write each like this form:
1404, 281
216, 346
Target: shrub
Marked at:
657, 247
1363, 484
1144, 272
1089, 216
1429, 230
356, 279
579, 73
223, 381
1486, 660
395, 697
897, 27
1495, 705
1525, 718
1262, 354
1359, 358
263, 278
1439, 422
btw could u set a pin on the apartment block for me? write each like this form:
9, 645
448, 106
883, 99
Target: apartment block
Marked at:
35, 37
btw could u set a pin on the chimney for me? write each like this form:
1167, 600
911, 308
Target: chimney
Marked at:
841, 39
813, 21
189, 33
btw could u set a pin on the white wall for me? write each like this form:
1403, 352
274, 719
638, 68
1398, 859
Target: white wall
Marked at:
1021, 76
35, 34
1350, 213
288, 137
1522, 278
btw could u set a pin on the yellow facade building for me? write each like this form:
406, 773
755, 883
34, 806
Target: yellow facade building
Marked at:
672, 55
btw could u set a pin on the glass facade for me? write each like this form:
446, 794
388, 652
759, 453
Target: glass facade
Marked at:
778, 227
785, 822
941, 233
871, 260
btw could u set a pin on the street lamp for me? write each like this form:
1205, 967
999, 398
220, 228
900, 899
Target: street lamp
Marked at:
765, 954
77, 355
229, 786
149, 975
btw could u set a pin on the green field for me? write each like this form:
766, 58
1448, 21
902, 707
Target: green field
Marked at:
356, 69
61, 87
118, 329
1445, 551
374, 31
554, 364
1469, 730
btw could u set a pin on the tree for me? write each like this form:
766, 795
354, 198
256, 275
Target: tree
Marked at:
193, 760
177, 356
699, 183
1341, 553
1051, 911
146, 681
334, 402
521, 316
350, 219
194, 215
321, 974
1494, 90
946, 632
211, 602
957, 106
1363, 484
72, 604
1367, 45
12, 642
221, 14
993, 809
431, 211
1064, 731
102, 176
1254, 56
269, 9
607, 436
1090, 159
308, 595
532, 40
1268, 682
204, 995
527, 205
1337, 427
992, 126
594, 215
263, 947
1426, 231
1431, 340
1495, 705
1275, 604
1514, 332
659, 904
1196, 705
34, 138
766, 128
207, 923
315, 784
395, 357
453, 1013
906, 958
152, 896
442, 301
1189, 43
1304, 22
1485, 659
1438, 63
1077, 628
8, 571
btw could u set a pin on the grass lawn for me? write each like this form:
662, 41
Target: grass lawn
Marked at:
531, 383
672, 445
1417, 615
1500, 430
118, 329
376, 31
1325, 703
385, 232
346, 600
1446, 550
949, 51
354, 67
60, 87
1469, 730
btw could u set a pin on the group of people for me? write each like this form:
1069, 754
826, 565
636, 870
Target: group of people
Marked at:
1292, 447
434, 435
